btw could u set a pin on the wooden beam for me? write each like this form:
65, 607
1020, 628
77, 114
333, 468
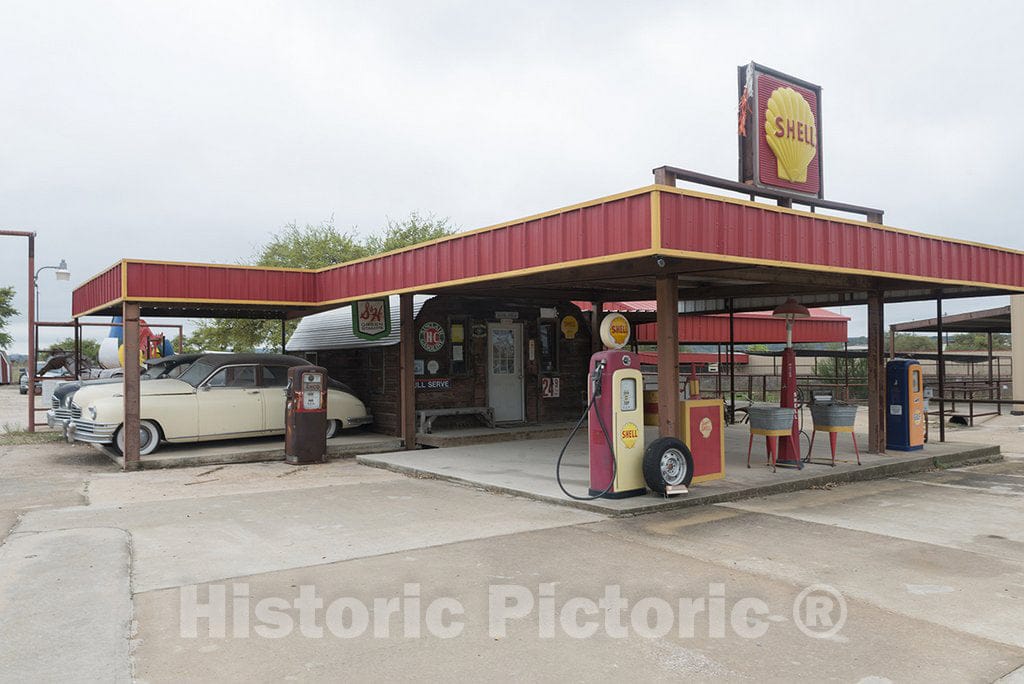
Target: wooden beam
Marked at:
596, 309
876, 373
130, 314
668, 356
407, 382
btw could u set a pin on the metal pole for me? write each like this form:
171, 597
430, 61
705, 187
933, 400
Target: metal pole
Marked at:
31, 333
941, 367
846, 365
78, 351
282, 336
732, 364
990, 374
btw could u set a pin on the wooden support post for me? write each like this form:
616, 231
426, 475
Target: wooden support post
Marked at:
892, 342
407, 383
662, 176
596, 309
283, 336
130, 316
876, 373
668, 355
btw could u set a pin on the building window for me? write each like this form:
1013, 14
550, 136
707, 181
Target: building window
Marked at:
547, 340
459, 329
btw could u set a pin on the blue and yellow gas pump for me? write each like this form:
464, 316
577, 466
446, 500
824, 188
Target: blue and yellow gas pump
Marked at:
905, 413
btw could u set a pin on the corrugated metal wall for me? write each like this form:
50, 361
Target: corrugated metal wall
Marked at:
100, 289
701, 224
613, 227
220, 283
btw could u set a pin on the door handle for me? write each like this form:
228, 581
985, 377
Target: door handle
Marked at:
252, 391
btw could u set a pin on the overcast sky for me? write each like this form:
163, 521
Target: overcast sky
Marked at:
193, 131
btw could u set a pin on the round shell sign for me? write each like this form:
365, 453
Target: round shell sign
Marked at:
432, 337
615, 331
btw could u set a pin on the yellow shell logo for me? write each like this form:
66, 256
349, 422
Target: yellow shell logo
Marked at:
705, 427
791, 133
629, 434
615, 331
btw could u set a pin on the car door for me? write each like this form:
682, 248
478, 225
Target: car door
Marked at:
230, 402
274, 380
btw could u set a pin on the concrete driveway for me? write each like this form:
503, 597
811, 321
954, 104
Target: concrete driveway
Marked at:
216, 574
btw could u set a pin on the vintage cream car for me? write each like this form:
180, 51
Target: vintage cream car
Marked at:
220, 396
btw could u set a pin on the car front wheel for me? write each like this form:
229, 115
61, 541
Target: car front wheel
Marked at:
149, 438
333, 426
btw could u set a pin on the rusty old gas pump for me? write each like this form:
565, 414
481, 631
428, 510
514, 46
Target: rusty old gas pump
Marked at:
305, 437
789, 449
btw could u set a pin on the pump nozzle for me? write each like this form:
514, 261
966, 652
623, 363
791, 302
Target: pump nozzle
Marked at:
595, 377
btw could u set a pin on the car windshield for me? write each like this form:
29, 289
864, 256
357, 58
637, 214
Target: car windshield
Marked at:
196, 373
166, 369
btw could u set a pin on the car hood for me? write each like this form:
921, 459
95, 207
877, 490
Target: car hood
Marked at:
167, 386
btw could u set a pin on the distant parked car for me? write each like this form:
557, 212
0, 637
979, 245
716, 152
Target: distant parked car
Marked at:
50, 374
59, 415
220, 396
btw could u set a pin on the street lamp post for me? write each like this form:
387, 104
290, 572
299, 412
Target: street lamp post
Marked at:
31, 322
62, 273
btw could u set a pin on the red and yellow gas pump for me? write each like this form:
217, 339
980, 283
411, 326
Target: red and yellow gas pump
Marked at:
616, 463
621, 464
305, 436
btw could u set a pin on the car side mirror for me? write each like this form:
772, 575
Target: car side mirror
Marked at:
204, 388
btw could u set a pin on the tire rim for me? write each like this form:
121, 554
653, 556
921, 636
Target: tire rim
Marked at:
144, 439
673, 467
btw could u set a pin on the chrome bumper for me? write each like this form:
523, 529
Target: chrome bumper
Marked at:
358, 420
58, 422
79, 430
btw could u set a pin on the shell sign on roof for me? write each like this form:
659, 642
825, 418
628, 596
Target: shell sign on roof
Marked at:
780, 131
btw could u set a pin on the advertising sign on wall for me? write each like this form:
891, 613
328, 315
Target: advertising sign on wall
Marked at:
432, 337
779, 131
371, 318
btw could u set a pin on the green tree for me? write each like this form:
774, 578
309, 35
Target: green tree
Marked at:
311, 246
977, 342
90, 348
7, 311
831, 368
909, 342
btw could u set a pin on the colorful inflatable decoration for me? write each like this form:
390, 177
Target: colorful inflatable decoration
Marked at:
151, 345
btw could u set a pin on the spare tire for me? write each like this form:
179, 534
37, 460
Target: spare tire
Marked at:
667, 462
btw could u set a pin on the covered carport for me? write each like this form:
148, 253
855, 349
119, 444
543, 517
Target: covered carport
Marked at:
985, 321
690, 251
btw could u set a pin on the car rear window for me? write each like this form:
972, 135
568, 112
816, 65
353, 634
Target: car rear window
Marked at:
275, 376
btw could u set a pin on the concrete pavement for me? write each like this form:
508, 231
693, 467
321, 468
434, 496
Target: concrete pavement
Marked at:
929, 568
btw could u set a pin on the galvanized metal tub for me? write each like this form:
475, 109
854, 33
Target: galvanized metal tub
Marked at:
770, 417
834, 414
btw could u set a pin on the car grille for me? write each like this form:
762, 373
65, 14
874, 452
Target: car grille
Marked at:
62, 413
76, 411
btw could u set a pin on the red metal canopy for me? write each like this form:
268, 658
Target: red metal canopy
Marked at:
610, 248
